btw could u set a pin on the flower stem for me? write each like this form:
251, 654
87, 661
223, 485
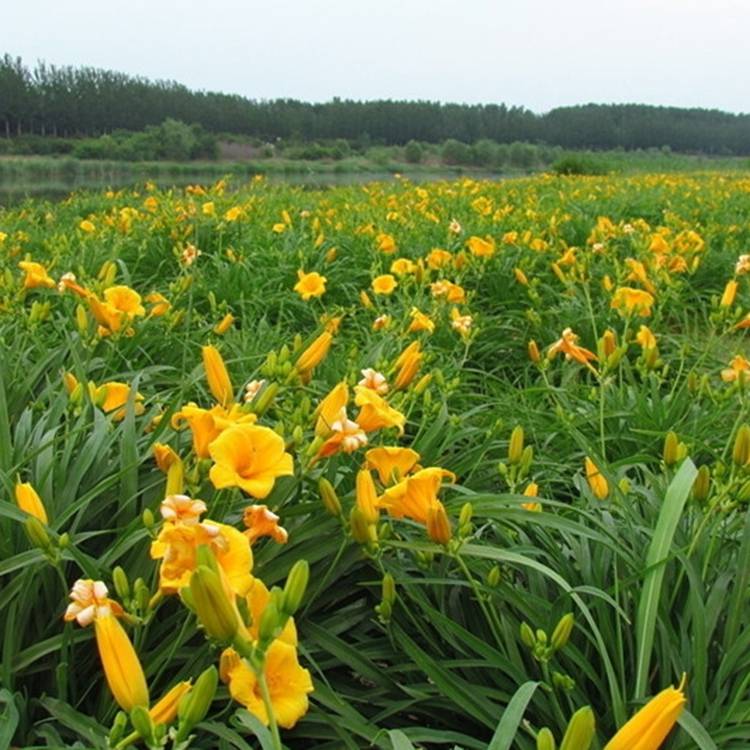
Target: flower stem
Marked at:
261, 677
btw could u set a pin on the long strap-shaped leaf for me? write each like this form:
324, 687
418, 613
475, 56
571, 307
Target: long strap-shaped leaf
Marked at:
511, 719
656, 559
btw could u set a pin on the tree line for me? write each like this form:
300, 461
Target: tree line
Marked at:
68, 101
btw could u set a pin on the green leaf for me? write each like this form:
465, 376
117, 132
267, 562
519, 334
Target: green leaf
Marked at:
512, 716
696, 730
656, 559
399, 740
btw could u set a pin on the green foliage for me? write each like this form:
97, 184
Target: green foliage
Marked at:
654, 578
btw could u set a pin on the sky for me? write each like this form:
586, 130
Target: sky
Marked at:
538, 54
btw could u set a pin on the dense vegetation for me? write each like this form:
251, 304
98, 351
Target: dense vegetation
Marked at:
67, 101
504, 423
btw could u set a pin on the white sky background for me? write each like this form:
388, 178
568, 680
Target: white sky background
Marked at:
536, 53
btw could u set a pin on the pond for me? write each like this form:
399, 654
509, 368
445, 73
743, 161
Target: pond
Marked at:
14, 191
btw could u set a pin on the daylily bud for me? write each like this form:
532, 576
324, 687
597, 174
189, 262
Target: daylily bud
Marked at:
702, 484
165, 709
175, 479
545, 740
270, 624
741, 449
224, 324
264, 401
29, 502
82, 320
515, 446
315, 353
37, 534
212, 606
527, 635
194, 706
363, 532
438, 524
465, 516
70, 382
122, 586
366, 495
562, 631
217, 376
526, 458
148, 518
329, 497
494, 576
389, 588
534, 354
422, 383
143, 724
580, 732
671, 443
296, 584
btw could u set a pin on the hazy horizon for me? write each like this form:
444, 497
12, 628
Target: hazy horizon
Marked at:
538, 55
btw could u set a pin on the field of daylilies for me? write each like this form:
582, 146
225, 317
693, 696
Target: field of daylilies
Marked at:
462, 464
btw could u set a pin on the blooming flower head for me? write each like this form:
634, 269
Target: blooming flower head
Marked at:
288, 684
738, 370
420, 321
249, 457
414, 496
481, 248
207, 424
260, 521
568, 345
252, 389
450, 291
461, 323
113, 397
384, 284
310, 284
190, 254
386, 243
160, 305
374, 380
437, 258
375, 413
403, 267
177, 548
629, 301
182, 509
90, 600
743, 265
381, 322
346, 435
392, 463
36, 275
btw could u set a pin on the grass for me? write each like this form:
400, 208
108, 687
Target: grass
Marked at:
654, 570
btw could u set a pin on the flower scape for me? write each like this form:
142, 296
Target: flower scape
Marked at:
462, 464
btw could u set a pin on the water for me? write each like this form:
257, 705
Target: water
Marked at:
13, 192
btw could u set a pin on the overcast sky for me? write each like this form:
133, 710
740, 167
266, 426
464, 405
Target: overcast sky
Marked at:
535, 53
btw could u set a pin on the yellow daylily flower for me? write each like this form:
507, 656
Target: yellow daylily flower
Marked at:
36, 275
177, 546
288, 685
375, 413
384, 284
310, 284
416, 494
250, 457
392, 463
